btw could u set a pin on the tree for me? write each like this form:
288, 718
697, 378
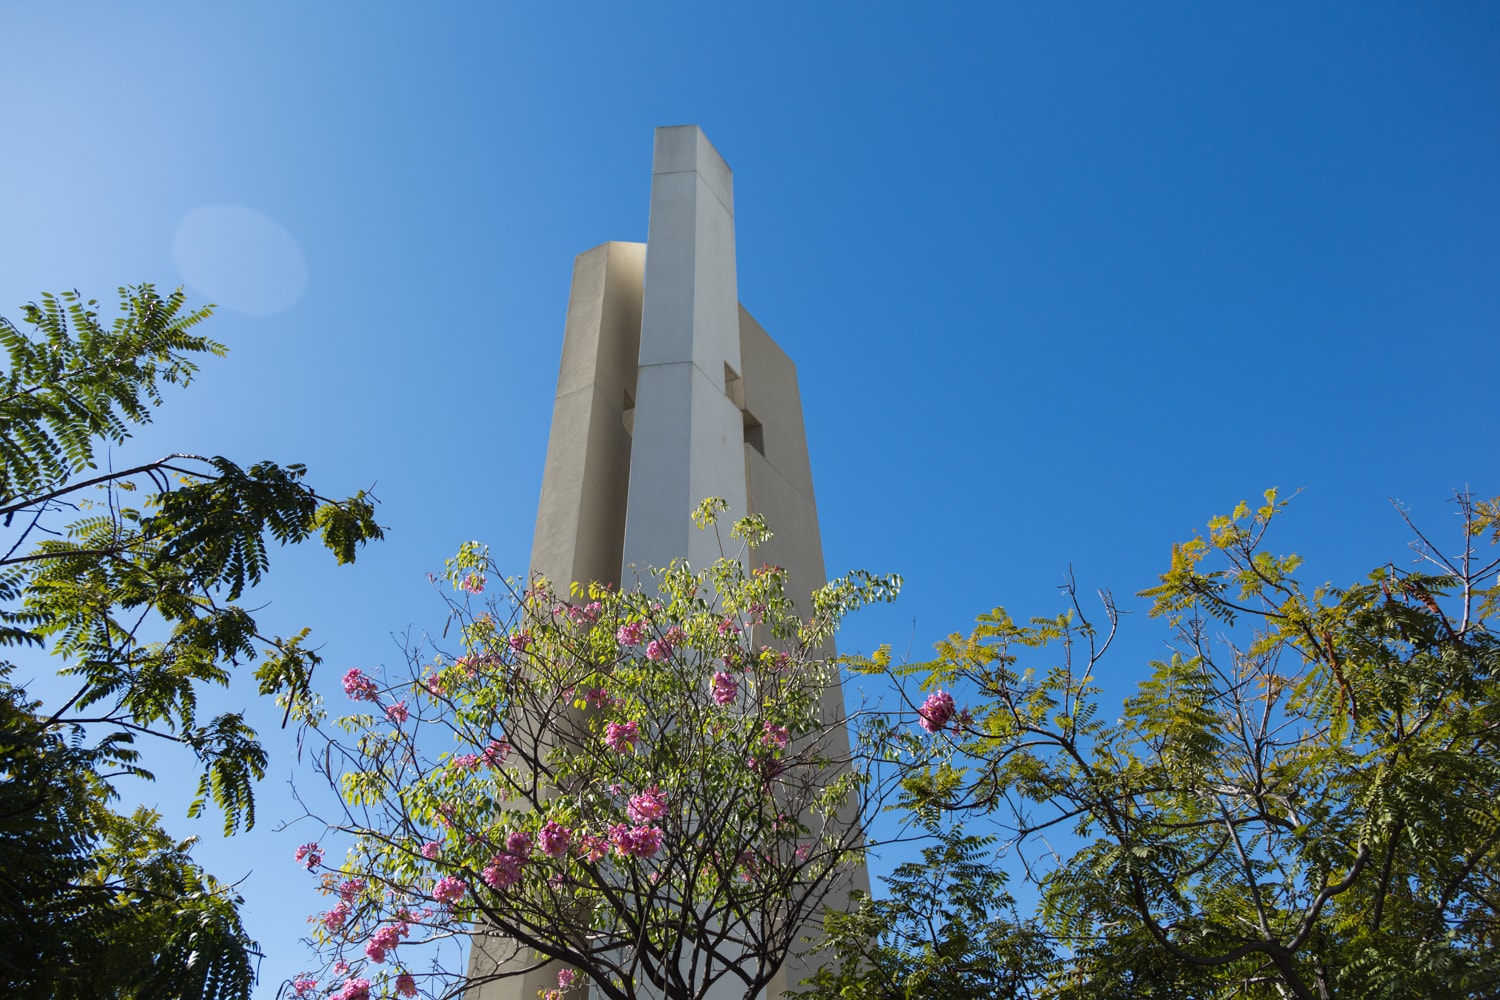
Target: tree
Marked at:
640, 785
1303, 800
140, 603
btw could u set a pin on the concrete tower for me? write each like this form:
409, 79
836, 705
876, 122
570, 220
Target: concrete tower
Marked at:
670, 392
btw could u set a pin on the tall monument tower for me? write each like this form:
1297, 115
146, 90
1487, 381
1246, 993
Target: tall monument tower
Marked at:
670, 392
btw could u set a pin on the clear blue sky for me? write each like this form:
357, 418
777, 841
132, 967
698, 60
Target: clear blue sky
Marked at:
1060, 283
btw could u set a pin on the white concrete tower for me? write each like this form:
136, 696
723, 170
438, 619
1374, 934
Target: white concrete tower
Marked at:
670, 392
689, 431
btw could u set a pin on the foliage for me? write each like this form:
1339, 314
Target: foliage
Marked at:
140, 602
1303, 800
946, 930
645, 786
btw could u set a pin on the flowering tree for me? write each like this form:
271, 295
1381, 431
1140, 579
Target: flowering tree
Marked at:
640, 785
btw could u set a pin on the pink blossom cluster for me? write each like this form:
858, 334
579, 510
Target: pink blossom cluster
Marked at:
773, 736
465, 762
310, 855
334, 918
354, 989
586, 615
406, 986
383, 940
448, 890
494, 753
431, 850
349, 889
658, 650
504, 871
592, 847
433, 682
304, 985
553, 838
519, 641
647, 806
641, 842
725, 688
621, 736
936, 711
631, 633
397, 713
566, 979
473, 583
729, 626
358, 686
597, 697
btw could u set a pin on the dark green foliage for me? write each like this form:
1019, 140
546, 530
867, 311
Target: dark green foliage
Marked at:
1303, 800
131, 578
947, 930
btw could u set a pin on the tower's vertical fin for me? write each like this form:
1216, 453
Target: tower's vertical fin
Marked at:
689, 433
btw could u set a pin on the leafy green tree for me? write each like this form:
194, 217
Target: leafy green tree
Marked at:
1303, 800
639, 786
132, 578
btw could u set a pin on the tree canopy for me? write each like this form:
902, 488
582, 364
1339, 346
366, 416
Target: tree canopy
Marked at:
645, 788
1301, 800
132, 578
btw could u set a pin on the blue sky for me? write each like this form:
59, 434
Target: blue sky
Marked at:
1061, 281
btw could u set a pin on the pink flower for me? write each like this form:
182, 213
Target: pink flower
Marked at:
359, 687
334, 918
434, 684
431, 850
593, 847
397, 713
374, 952
726, 688
386, 937
503, 872
473, 583
774, 736
554, 838
310, 855
340, 967
641, 842
518, 843
494, 754
349, 889
566, 978
304, 985
646, 806
465, 762
354, 989
448, 890
621, 736
936, 711
519, 641
647, 841
631, 633
597, 697
405, 985
729, 625
658, 650
675, 635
